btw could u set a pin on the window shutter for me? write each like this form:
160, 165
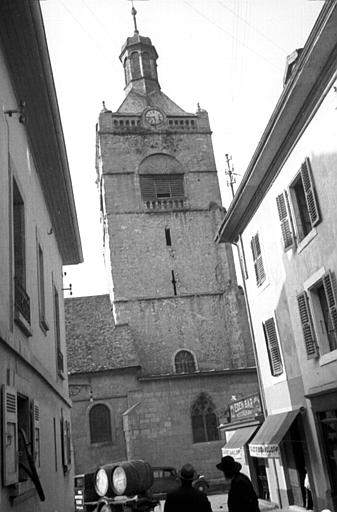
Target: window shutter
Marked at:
307, 327
177, 185
273, 347
64, 443
147, 188
10, 436
36, 450
258, 262
285, 219
331, 299
310, 194
162, 185
68, 443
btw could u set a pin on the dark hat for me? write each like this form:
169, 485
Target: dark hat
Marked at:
187, 472
229, 466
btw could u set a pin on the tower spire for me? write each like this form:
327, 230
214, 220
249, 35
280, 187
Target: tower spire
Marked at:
134, 13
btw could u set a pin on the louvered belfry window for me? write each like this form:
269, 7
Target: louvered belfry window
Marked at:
156, 187
273, 347
257, 257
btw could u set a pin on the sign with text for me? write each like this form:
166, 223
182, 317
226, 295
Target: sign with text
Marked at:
264, 450
246, 408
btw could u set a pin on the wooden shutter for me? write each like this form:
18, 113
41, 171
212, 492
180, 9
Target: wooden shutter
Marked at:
307, 326
310, 194
273, 347
162, 186
36, 447
330, 293
10, 436
177, 185
68, 443
285, 219
257, 257
147, 188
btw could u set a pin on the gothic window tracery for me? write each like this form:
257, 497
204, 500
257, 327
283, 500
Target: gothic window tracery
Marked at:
204, 420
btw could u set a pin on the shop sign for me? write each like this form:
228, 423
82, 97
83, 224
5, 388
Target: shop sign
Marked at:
246, 408
236, 453
264, 450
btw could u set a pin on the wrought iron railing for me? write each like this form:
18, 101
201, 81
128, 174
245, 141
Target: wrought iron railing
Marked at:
22, 300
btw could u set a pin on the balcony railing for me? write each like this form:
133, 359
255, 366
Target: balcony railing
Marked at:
22, 300
166, 204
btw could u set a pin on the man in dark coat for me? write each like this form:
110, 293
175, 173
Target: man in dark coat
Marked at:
186, 498
241, 495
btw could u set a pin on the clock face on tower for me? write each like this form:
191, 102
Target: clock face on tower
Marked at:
154, 117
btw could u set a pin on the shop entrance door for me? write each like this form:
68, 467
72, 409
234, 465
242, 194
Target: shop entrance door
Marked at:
293, 450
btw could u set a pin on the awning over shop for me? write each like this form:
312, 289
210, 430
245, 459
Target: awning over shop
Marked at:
266, 442
235, 445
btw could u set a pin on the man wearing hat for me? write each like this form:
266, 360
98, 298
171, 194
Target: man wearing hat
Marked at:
186, 498
241, 495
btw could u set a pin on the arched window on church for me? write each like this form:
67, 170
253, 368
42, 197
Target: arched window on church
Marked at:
100, 424
135, 65
204, 420
184, 362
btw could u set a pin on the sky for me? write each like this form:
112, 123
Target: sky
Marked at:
227, 55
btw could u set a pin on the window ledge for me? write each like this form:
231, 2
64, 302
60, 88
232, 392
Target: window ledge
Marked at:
327, 358
22, 323
306, 241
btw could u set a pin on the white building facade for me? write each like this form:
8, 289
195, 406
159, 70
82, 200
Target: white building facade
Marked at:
283, 218
38, 233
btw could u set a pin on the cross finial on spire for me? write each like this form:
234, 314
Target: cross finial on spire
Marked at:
134, 12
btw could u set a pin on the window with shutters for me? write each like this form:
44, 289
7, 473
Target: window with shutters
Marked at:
204, 420
21, 441
184, 362
318, 314
257, 258
304, 205
100, 424
21, 300
65, 443
41, 289
273, 347
162, 190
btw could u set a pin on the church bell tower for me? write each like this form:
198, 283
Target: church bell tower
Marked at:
161, 206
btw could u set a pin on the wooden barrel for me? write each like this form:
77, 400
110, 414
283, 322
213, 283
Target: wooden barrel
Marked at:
139, 476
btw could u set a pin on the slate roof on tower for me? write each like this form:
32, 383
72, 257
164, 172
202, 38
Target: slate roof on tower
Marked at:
94, 342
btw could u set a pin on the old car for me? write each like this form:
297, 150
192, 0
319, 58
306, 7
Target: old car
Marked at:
166, 479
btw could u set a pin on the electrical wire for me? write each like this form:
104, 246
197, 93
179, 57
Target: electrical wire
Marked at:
231, 35
283, 50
